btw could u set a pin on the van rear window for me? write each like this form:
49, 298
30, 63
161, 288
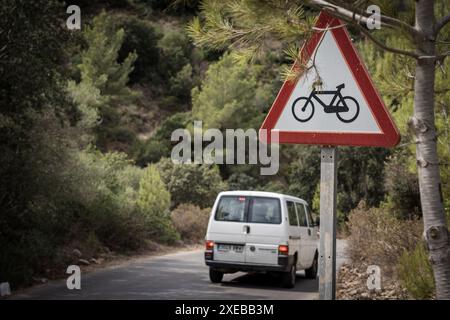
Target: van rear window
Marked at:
265, 210
231, 208
249, 209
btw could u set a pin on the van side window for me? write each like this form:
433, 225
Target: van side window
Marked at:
265, 210
310, 219
231, 209
293, 221
301, 215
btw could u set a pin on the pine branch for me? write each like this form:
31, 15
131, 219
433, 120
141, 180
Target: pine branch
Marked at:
385, 47
386, 21
356, 20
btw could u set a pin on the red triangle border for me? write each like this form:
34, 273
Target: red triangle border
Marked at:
389, 136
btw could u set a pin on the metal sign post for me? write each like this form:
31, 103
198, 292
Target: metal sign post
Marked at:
327, 248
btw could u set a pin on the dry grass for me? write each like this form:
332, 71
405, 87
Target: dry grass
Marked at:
378, 238
190, 221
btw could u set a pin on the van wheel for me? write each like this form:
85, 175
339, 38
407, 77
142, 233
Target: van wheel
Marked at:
288, 278
311, 273
215, 276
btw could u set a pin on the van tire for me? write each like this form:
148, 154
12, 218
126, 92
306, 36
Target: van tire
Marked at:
311, 273
215, 276
288, 278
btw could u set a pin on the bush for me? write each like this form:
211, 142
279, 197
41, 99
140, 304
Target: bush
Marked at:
304, 174
142, 38
402, 188
175, 50
242, 181
227, 90
415, 273
190, 221
196, 184
377, 237
108, 187
160, 145
154, 202
181, 84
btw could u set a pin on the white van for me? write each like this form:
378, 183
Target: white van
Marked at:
263, 232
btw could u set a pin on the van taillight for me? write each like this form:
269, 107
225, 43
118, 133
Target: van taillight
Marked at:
283, 250
209, 245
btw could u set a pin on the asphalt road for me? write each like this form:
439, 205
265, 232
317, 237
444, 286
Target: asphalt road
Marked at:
181, 275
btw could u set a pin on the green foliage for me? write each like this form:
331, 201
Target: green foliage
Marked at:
182, 83
108, 190
103, 86
275, 186
394, 75
175, 51
141, 38
100, 66
402, 188
153, 199
31, 55
242, 181
154, 202
416, 274
32, 104
191, 183
160, 145
248, 26
304, 173
359, 175
228, 90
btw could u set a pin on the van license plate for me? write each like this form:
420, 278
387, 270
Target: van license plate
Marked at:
230, 247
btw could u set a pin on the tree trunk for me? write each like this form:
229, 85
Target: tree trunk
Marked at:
436, 234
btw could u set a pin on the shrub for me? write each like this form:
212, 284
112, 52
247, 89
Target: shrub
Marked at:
140, 37
181, 84
108, 186
227, 90
190, 221
275, 186
415, 273
154, 202
197, 184
242, 181
377, 237
175, 52
160, 145
402, 188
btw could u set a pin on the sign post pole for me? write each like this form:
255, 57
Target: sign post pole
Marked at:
327, 248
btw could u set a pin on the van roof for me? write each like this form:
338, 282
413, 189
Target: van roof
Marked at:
260, 194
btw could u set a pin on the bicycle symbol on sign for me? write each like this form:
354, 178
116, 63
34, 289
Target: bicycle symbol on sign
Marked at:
346, 108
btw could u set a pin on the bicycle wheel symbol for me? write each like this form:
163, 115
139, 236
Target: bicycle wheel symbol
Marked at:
353, 109
303, 109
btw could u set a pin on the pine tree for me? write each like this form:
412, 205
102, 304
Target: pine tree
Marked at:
227, 90
103, 86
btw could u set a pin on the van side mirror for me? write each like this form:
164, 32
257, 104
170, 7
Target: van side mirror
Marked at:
317, 221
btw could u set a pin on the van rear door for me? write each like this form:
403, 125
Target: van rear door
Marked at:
264, 231
305, 235
228, 229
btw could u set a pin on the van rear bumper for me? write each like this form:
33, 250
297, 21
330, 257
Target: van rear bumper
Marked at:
284, 265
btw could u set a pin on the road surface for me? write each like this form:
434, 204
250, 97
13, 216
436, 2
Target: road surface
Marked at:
181, 275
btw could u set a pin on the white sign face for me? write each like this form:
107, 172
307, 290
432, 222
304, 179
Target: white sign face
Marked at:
337, 106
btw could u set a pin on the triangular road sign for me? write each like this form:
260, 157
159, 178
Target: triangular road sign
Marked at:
333, 101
